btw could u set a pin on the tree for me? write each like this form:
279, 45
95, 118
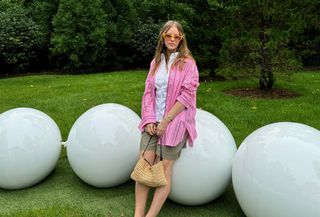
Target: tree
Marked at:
203, 28
93, 35
144, 41
122, 22
307, 42
20, 37
151, 15
80, 31
258, 36
200, 20
42, 12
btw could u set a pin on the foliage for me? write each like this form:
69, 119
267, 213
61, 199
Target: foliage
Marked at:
203, 24
258, 37
145, 41
121, 23
42, 12
306, 44
236, 38
80, 31
151, 15
20, 37
95, 34
159, 11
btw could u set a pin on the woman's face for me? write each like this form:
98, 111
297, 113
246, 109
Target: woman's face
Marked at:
172, 39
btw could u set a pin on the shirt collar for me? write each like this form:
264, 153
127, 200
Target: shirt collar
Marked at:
172, 56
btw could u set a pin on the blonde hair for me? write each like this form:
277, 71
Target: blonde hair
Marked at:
184, 52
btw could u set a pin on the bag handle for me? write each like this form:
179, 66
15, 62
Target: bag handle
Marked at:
149, 144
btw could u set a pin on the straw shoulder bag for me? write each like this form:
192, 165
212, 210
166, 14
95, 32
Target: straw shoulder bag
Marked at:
147, 174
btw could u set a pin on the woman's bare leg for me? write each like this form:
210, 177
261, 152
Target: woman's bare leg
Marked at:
161, 193
142, 191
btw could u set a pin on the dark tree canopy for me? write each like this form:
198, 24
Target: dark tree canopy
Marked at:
229, 38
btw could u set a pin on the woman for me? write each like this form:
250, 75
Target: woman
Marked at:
168, 110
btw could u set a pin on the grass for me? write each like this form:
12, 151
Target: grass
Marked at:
66, 97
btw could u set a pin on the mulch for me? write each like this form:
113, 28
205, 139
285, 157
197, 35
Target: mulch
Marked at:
258, 93
262, 94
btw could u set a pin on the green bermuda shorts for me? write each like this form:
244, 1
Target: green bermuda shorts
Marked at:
168, 152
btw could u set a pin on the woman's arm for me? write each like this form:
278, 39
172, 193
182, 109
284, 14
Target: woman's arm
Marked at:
174, 111
190, 85
147, 107
186, 99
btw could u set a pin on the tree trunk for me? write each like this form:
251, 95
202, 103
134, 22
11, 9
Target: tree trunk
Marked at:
266, 75
212, 71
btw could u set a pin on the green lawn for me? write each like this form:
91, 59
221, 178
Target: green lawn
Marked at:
66, 97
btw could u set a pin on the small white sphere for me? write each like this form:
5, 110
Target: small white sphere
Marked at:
103, 145
276, 171
30, 145
203, 172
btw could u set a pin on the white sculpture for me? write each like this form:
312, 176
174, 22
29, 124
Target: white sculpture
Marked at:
276, 171
203, 172
103, 145
30, 145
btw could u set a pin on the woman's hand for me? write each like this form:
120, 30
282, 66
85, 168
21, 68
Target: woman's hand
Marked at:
151, 128
162, 126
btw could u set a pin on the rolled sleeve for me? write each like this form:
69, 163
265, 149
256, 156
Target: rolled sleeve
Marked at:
189, 85
146, 120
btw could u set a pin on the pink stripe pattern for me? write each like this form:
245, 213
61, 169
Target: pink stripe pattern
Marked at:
182, 87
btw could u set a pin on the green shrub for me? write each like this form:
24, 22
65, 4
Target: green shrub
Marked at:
145, 40
20, 37
80, 30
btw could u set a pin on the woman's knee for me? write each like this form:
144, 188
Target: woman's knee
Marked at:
167, 166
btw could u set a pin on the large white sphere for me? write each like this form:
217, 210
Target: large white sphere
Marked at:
30, 145
276, 171
203, 172
103, 145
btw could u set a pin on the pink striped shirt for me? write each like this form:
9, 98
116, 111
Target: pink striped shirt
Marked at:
182, 87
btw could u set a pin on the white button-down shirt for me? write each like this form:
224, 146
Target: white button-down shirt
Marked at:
161, 83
